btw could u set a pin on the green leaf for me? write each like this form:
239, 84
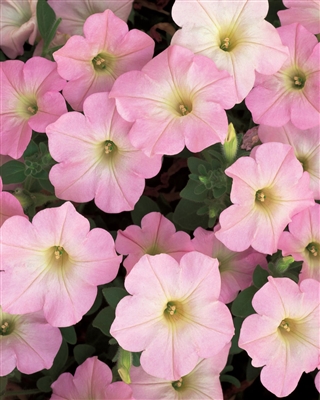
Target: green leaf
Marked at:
31, 150
144, 206
189, 192
12, 172
235, 349
82, 351
46, 185
186, 215
241, 307
46, 19
260, 277
195, 163
113, 295
251, 372
69, 334
44, 384
136, 359
218, 192
230, 379
104, 320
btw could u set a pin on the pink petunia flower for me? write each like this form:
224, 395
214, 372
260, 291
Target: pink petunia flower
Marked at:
18, 24
201, 383
54, 263
27, 342
269, 187
302, 241
306, 12
92, 63
283, 337
92, 380
96, 158
317, 381
9, 205
292, 94
306, 147
30, 100
236, 269
223, 31
177, 99
156, 235
74, 13
174, 314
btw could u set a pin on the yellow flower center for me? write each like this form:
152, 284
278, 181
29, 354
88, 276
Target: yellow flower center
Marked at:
173, 311
313, 249
32, 109
104, 63
285, 325
225, 44
6, 327
260, 196
177, 384
183, 109
109, 147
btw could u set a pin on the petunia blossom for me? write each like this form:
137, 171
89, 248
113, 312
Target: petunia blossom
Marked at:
30, 100
174, 314
306, 146
269, 187
92, 63
74, 13
177, 99
156, 235
236, 268
18, 24
92, 380
54, 263
201, 383
302, 241
306, 12
9, 205
96, 158
224, 31
27, 342
283, 337
292, 94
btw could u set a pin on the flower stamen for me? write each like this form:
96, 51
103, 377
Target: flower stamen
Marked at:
284, 325
58, 252
177, 384
183, 109
260, 196
32, 109
109, 147
312, 249
225, 44
4, 328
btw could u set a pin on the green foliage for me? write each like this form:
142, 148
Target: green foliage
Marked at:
59, 362
241, 307
44, 384
47, 24
104, 319
260, 277
186, 216
12, 172
235, 349
69, 334
144, 206
82, 351
113, 295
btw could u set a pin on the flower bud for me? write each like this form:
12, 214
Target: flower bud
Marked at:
230, 146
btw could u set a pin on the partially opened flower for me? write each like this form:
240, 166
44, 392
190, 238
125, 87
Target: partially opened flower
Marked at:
96, 158
283, 337
54, 263
306, 147
177, 99
269, 187
201, 383
236, 268
18, 24
156, 235
9, 205
174, 314
92, 63
74, 13
27, 342
92, 380
302, 241
292, 94
224, 31
30, 100
306, 12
